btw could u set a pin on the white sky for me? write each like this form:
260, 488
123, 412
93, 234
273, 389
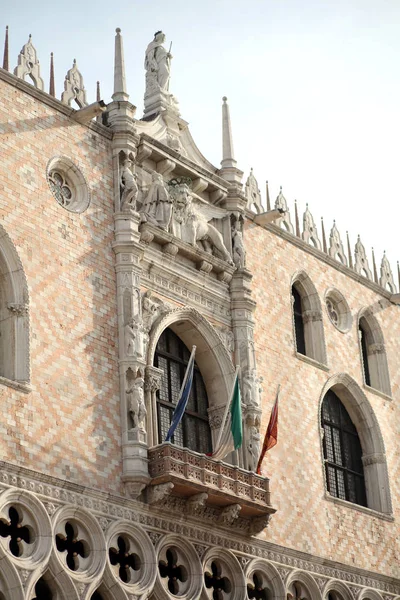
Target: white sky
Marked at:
313, 88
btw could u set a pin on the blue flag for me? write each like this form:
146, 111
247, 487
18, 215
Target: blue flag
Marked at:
183, 397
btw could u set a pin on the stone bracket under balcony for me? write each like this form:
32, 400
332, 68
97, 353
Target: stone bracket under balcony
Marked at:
193, 483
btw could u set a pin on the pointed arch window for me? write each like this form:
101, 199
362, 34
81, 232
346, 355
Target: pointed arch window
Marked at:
193, 432
373, 354
307, 319
342, 452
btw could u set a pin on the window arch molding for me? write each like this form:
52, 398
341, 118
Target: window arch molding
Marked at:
312, 317
275, 583
9, 580
373, 448
307, 581
212, 358
369, 594
14, 317
373, 357
58, 581
337, 589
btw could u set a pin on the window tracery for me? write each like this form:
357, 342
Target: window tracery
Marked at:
193, 432
373, 353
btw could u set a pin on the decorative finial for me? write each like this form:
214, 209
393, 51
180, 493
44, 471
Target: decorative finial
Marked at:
374, 267
268, 198
296, 219
349, 250
28, 64
5, 55
120, 94
228, 159
324, 244
52, 89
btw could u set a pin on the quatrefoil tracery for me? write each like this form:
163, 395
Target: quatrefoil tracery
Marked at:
70, 544
125, 559
171, 570
217, 582
16, 531
256, 590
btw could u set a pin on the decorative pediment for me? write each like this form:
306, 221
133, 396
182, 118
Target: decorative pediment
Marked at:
386, 279
28, 64
310, 233
361, 265
336, 249
74, 88
253, 194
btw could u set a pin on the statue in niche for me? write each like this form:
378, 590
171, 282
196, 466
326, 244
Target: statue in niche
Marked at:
129, 188
253, 448
157, 205
157, 63
134, 338
190, 220
238, 250
251, 388
135, 401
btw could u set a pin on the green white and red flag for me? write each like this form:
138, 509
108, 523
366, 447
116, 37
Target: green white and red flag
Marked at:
231, 433
271, 435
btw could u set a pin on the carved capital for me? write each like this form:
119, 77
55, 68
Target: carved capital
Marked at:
373, 459
229, 514
258, 524
157, 493
19, 310
152, 380
312, 316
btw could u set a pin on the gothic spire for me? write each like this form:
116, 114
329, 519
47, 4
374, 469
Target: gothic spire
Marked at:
374, 267
296, 219
349, 251
267, 195
120, 94
227, 143
324, 246
98, 95
5, 55
52, 89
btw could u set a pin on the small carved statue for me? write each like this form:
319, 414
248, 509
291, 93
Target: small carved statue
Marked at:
133, 338
253, 448
157, 63
129, 187
238, 250
157, 205
135, 401
251, 388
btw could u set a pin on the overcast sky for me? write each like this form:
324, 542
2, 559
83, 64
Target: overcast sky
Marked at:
313, 88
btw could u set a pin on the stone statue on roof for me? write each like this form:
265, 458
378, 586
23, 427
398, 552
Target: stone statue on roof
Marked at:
157, 63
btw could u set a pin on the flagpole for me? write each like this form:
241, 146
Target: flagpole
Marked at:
228, 404
186, 372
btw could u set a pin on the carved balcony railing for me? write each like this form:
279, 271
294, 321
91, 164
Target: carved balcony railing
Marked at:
225, 485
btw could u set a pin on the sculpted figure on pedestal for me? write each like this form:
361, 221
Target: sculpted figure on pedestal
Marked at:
129, 187
251, 388
238, 250
157, 205
135, 402
190, 220
253, 448
157, 63
134, 338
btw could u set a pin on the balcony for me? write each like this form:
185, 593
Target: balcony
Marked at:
221, 486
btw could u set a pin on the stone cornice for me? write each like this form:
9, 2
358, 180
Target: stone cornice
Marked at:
320, 255
57, 105
108, 506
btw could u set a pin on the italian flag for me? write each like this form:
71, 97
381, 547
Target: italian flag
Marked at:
231, 433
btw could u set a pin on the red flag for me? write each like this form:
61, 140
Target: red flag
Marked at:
271, 435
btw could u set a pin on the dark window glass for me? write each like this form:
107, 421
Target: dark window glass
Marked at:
193, 432
367, 377
298, 322
42, 591
342, 452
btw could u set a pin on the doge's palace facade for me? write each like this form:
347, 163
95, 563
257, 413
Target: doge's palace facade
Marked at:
121, 247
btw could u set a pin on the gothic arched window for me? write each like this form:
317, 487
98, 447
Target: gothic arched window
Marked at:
193, 432
373, 353
307, 319
342, 452
298, 321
